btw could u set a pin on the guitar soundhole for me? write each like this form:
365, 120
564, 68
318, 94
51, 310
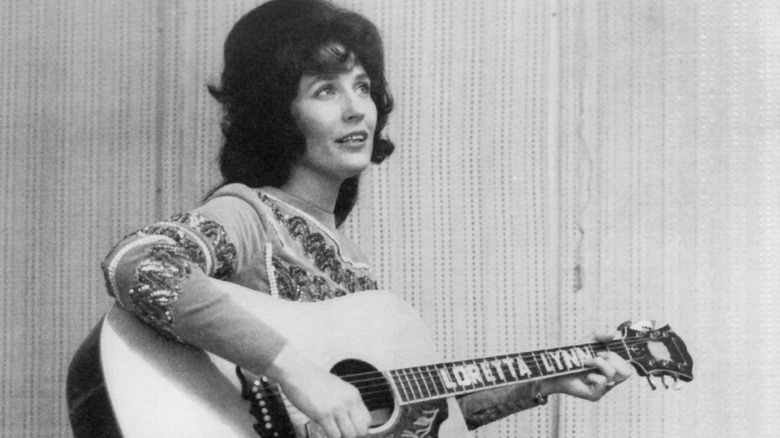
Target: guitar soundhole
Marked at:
374, 388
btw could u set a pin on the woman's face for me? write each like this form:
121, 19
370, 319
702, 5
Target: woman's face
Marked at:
337, 116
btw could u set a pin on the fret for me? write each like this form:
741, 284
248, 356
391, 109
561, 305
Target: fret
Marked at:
511, 371
410, 384
460, 377
496, 363
401, 385
555, 359
416, 388
524, 371
570, 359
590, 350
487, 372
472, 374
503, 366
425, 378
527, 371
483, 369
520, 373
538, 366
448, 382
547, 363
435, 381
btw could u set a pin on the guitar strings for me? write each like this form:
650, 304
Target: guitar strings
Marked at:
360, 379
373, 385
597, 347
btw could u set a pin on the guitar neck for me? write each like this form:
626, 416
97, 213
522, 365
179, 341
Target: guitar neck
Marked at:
428, 382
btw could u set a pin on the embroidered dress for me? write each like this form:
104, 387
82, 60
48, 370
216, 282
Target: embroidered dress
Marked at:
171, 275
262, 239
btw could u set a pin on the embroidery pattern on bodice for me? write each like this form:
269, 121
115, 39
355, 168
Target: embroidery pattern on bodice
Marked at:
296, 283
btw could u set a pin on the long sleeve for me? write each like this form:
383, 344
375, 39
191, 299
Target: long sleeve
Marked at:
171, 275
483, 407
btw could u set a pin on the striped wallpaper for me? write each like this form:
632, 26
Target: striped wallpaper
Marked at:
562, 166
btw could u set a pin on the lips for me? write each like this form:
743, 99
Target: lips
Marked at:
353, 137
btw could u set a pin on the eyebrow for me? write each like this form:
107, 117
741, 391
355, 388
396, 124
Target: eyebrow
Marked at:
325, 77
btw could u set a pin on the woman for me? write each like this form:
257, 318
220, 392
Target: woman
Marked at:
305, 103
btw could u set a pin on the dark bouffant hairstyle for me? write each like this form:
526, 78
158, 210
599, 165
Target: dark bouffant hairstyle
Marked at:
266, 53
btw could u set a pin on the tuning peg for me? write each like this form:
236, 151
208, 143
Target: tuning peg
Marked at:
663, 380
643, 326
678, 384
650, 382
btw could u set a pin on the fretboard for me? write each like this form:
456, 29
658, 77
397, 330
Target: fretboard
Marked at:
454, 378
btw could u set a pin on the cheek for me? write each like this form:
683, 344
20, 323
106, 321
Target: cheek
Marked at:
372, 112
308, 131
313, 127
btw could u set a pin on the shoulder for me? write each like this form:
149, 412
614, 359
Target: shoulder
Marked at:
234, 203
234, 194
238, 209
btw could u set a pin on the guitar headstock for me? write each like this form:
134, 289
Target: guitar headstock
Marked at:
657, 352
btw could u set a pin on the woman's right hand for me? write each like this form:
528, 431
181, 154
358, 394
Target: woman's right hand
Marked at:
324, 398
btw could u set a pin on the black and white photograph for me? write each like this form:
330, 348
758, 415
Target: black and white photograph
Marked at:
390, 218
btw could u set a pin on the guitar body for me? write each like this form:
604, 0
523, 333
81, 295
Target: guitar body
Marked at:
128, 381
158, 387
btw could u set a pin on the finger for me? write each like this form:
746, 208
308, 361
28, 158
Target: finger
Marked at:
598, 385
604, 367
596, 379
603, 337
330, 427
344, 422
623, 369
361, 419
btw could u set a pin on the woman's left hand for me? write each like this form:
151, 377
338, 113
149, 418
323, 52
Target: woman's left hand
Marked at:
610, 370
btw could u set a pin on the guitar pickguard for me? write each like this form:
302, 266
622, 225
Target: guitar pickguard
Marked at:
421, 420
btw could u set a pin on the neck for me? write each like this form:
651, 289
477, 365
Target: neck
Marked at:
456, 378
318, 191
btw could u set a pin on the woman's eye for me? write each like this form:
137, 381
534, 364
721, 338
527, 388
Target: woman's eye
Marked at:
364, 87
325, 91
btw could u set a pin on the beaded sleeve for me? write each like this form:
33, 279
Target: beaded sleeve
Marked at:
145, 270
481, 408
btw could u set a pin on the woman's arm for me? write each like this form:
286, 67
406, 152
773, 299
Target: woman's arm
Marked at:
484, 407
172, 275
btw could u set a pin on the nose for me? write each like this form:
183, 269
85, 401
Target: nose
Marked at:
353, 107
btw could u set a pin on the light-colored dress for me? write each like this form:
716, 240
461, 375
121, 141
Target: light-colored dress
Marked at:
168, 274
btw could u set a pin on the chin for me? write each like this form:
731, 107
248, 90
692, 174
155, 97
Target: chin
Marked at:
357, 165
355, 170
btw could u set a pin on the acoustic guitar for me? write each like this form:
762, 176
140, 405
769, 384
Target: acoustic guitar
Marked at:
127, 380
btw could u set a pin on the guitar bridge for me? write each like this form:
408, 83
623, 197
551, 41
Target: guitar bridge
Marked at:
267, 406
